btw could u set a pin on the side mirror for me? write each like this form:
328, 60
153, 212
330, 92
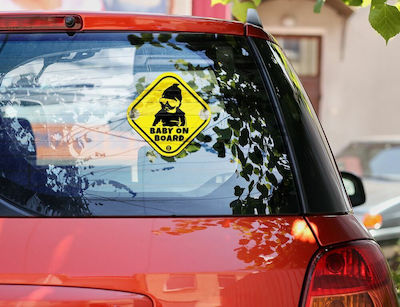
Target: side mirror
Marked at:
354, 188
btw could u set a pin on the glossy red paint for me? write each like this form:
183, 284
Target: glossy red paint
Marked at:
125, 22
23, 295
334, 229
212, 261
138, 22
258, 32
39, 22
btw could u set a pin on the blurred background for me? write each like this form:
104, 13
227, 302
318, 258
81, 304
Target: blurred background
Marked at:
349, 73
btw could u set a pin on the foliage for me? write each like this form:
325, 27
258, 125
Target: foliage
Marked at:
383, 17
396, 279
394, 264
239, 7
242, 131
259, 243
246, 135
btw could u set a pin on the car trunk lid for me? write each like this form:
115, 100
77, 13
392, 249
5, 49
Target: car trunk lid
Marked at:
189, 261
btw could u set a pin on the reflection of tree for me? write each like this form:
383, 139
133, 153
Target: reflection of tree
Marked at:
46, 190
242, 129
261, 241
249, 134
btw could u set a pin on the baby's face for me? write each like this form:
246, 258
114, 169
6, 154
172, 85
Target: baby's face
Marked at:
170, 105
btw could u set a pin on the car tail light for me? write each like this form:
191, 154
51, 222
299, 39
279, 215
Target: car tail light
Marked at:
372, 221
354, 275
40, 22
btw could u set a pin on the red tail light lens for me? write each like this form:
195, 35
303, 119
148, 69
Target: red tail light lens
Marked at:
40, 22
354, 275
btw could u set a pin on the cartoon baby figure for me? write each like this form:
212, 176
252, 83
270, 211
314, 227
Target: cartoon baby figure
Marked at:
170, 113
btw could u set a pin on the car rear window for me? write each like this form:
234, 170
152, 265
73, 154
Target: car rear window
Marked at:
85, 127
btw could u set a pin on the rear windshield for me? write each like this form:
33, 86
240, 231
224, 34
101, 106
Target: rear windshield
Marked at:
137, 124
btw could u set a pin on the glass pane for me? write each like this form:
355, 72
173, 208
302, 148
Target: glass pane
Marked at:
69, 150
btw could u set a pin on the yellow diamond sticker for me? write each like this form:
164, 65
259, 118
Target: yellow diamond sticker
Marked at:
169, 114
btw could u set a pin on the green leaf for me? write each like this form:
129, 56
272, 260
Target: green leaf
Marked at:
174, 46
238, 191
156, 44
236, 206
168, 159
135, 40
244, 137
139, 88
234, 150
239, 9
204, 138
353, 2
147, 37
366, 3
241, 157
318, 6
219, 147
251, 186
224, 2
193, 147
385, 19
247, 171
256, 156
263, 189
182, 154
224, 134
164, 37
235, 124
193, 85
272, 179
151, 155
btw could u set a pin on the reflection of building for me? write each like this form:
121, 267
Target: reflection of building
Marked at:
190, 289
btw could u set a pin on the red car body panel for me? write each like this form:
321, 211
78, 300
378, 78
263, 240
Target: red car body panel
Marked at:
137, 22
159, 23
332, 229
172, 260
24, 295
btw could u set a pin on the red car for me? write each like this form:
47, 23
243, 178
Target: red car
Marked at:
169, 161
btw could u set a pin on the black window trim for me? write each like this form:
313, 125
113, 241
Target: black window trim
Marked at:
266, 78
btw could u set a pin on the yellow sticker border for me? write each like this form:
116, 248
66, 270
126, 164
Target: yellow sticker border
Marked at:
145, 92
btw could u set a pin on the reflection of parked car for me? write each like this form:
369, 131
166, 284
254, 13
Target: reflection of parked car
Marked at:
377, 161
101, 206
